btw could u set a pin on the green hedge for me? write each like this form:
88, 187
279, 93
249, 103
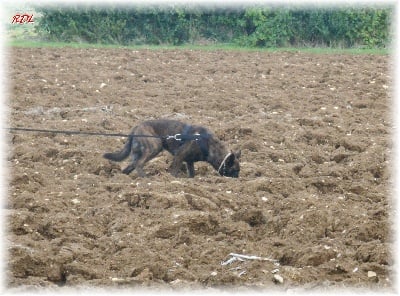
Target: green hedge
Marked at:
247, 26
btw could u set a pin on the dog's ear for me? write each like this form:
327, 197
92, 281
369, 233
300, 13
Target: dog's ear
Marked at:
237, 153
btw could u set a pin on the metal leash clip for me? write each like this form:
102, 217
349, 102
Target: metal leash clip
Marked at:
197, 136
176, 137
180, 137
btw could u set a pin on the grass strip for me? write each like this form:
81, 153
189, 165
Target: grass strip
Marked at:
215, 47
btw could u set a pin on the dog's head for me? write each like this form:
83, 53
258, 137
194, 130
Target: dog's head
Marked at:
230, 166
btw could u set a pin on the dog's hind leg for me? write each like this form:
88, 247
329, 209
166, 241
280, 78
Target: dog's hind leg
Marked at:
132, 165
147, 152
136, 153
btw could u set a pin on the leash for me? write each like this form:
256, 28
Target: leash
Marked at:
21, 129
177, 137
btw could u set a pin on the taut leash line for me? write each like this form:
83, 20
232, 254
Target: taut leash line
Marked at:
21, 129
177, 137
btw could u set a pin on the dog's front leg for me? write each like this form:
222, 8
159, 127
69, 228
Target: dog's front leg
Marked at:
179, 158
175, 166
190, 168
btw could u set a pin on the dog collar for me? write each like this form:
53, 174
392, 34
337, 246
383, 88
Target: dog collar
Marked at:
222, 165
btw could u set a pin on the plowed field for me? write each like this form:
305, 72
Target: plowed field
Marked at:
312, 202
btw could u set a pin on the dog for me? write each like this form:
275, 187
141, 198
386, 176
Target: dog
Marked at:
187, 143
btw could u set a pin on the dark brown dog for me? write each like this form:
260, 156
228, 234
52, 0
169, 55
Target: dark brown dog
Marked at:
187, 143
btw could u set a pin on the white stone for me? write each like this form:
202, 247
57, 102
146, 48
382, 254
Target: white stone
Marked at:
371, 274
278, 279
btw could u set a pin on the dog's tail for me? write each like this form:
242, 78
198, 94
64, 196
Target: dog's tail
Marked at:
120, 155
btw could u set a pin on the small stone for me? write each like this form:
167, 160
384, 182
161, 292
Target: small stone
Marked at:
75, 201
278, 279
175, 282
371, 274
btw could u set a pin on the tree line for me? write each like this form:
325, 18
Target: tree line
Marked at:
256, 26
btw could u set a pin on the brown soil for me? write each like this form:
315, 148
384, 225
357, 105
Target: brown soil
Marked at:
313, 193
